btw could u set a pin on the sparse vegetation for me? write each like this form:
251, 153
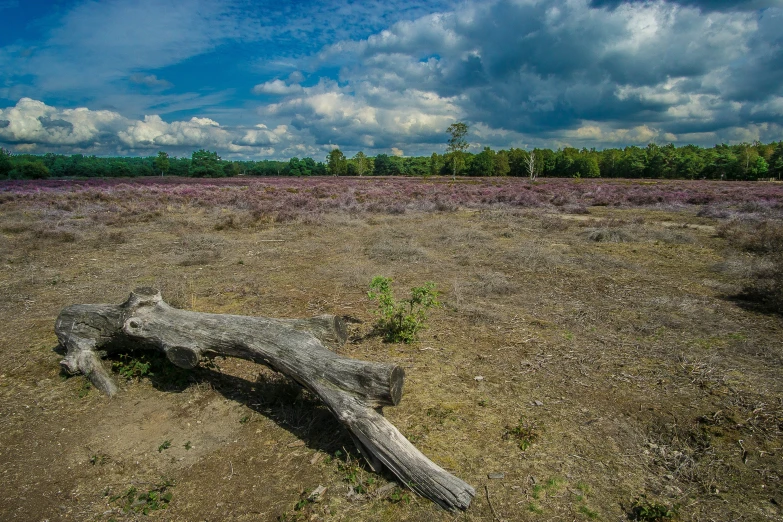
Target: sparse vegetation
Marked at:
638, 365
134, 500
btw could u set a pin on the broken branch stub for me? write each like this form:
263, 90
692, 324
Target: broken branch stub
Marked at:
353, 390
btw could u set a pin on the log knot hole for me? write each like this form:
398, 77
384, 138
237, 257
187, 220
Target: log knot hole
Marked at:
132, 326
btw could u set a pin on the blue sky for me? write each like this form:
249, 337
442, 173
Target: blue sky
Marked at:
276, 79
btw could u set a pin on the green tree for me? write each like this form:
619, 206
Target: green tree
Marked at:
723, 163
231, 169
776, 161
608, 161
162, 163
5, 162
483, 164
205, 164
759, 168
689, 163
119, 168
516, 162
336, 164
33, 170
457, 146
434, 165
383, 165
545, 158
564, 162
362, 163
500, 164
295, 167
632, 163
585, 166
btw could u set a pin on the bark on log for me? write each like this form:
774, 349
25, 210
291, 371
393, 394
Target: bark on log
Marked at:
355, 391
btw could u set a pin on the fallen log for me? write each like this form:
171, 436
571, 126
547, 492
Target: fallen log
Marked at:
355, 391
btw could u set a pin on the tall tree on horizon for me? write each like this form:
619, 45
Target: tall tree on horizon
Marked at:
336, 164
457, 145
205, 164
362, 163
162, 163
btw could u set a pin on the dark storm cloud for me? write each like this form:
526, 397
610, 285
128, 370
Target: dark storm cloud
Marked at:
546, 67
596, 73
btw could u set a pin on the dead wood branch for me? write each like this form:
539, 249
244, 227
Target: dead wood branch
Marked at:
355, 391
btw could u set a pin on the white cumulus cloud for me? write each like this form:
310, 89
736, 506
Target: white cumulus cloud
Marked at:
33, 122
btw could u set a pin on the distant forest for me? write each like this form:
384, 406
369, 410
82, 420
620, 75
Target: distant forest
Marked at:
746, 161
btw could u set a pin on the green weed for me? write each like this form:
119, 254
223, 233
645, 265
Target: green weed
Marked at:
525, 432
166, 445
99, 459
84, 389
400, 321
398, 495
649, 511
132, 368
152, 365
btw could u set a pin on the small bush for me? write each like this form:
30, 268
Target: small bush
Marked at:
400, 321
764, 238
766, 286
647, 511
612, 235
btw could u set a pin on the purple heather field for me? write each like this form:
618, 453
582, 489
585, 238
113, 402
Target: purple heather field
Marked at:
289, 198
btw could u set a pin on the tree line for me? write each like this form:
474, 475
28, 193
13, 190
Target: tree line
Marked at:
744, 161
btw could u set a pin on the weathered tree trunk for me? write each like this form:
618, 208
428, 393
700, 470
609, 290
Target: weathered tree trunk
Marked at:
355, 391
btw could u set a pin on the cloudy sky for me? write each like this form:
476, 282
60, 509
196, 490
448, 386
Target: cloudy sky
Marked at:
276, 79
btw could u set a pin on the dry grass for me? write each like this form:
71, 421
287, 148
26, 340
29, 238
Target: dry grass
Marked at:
627, 359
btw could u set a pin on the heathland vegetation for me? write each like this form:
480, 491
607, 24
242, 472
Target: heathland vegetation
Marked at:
604, 349
596, 349
744, 161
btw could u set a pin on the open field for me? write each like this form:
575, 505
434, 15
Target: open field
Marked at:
624, 365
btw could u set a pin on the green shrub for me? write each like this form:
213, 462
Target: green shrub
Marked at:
400, 321
649, 511
152, 365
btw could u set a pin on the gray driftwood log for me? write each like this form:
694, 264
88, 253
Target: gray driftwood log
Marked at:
355, 391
